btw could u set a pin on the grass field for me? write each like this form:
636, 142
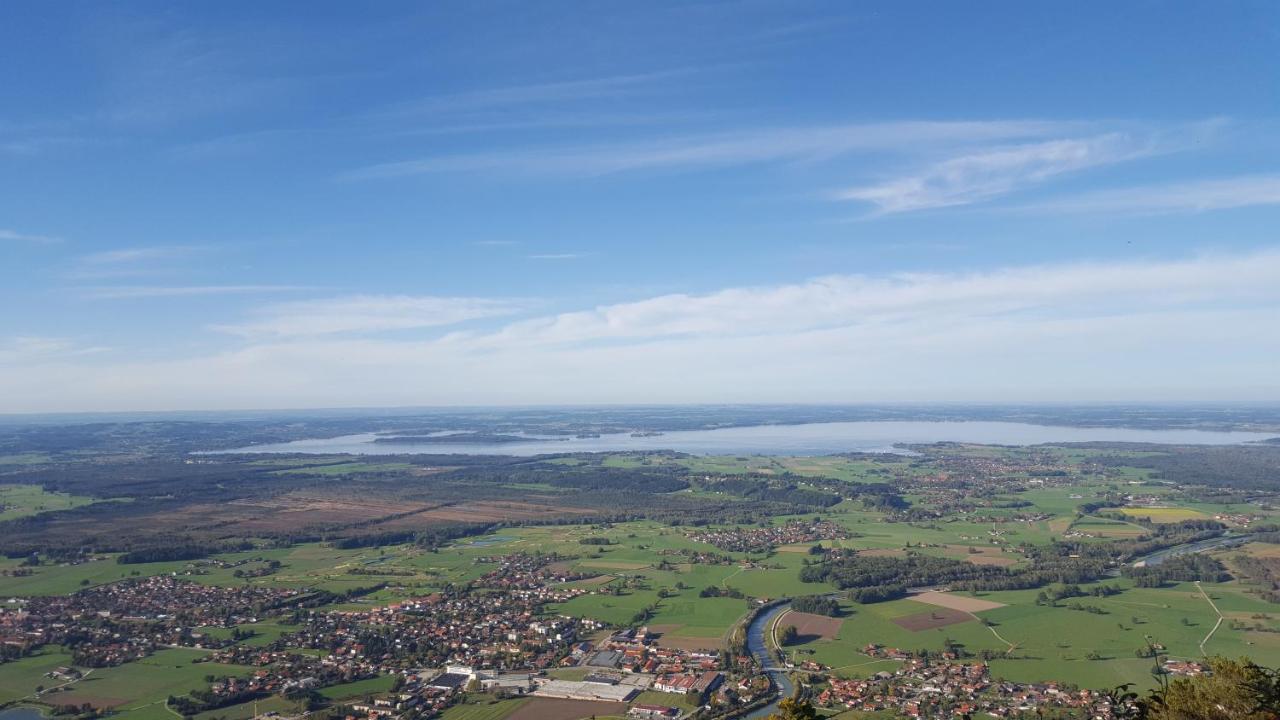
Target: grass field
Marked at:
1042, 651
20, 678
139, 689
24, 500
360, 688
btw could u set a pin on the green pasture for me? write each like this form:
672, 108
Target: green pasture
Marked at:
20, 678
25, 500
359, 688
142, 687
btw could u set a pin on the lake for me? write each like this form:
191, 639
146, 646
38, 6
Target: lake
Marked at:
804, 439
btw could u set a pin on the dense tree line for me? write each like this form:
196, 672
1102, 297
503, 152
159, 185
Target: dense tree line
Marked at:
817, 605
1181, 568
769, 490
1253, 467
188, 551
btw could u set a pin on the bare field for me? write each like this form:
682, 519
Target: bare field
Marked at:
810, 626
956, 602
883, 552
613, 565
984, 555
991, 560
556, 709
690, 643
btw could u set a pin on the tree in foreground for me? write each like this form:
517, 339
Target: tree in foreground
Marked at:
1236, 690
794, 708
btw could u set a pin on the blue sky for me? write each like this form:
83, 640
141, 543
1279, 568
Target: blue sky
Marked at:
249, 205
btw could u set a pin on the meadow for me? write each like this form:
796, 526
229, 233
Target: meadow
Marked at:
24, 500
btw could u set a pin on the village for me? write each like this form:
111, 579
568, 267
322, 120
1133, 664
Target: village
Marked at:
763, 539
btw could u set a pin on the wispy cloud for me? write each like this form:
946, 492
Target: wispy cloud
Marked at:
129, 292
133, 262
990, 173
368, 314
139, 254
779, 144
1191, 196
557, 92
15, 236
30, 348
904, 300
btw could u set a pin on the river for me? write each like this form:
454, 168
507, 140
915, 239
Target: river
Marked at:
1160, 556
759, 648
799, 439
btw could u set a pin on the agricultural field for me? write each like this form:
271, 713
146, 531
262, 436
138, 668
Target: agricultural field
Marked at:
1164, 514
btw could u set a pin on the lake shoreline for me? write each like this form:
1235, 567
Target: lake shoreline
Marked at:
826, 438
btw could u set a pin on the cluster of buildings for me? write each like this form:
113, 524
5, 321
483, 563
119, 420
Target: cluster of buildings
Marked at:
1185, 668
920, 689
497, 623
763, 539
125, 621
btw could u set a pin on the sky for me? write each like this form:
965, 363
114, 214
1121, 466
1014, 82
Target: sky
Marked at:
241, 205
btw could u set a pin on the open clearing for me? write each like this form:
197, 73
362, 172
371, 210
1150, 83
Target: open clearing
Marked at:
982, 555
931, 619
557, 709
883, 552
999, 560
956, 602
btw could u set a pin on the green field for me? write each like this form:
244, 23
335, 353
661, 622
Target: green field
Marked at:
139, 689
24, 500
20, 678
359, 688
1042, 651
